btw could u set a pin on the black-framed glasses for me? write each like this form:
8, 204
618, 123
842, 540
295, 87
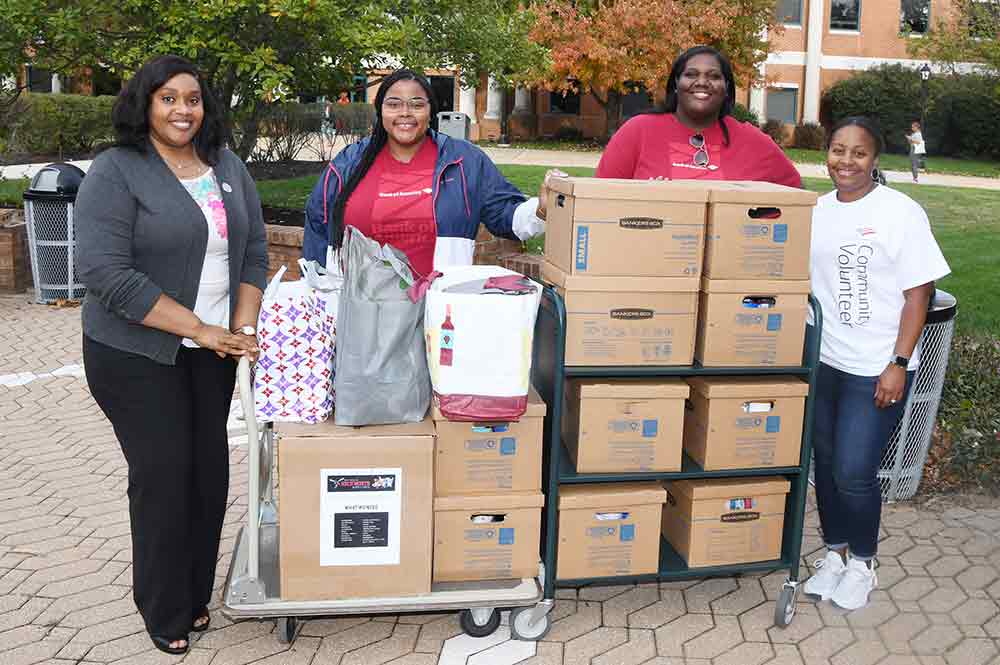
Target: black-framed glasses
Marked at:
701, 151
395, 104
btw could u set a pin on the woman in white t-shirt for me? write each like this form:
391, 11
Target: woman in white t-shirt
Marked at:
873, 265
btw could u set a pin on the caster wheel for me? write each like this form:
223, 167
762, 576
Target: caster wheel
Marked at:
479, 622
784, 608
521, 627
286, 629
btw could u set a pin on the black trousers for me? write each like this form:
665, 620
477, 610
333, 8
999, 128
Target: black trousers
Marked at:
171, 424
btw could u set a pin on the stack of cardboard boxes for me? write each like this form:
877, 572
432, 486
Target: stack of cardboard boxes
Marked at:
668, 273
487, 497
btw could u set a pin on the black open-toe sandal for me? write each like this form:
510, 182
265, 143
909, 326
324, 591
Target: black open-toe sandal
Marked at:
163, 644
201, 615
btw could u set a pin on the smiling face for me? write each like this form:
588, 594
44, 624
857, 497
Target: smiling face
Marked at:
406, 125
701, 89
176, 111
850, 159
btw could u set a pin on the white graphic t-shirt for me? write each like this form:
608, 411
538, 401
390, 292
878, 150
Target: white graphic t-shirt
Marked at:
864, 255
212, 303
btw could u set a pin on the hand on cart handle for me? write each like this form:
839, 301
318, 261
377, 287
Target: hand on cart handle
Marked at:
225, 343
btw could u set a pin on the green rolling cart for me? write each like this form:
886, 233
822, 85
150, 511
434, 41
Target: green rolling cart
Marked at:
549, 374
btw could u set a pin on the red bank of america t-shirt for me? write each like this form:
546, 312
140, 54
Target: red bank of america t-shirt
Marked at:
393, 204
654, 145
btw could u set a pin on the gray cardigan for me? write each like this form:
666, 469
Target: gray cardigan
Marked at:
140, 234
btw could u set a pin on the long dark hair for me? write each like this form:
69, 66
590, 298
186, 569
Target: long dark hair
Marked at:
680, 64
378, 140
130, 115
872, 128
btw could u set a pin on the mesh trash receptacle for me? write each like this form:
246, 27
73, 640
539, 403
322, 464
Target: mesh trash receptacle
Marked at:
903, 460
48, 211
453, 124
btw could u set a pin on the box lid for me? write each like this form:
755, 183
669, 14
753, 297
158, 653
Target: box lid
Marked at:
558, 278
641, 190
328, 429
725, 489
749, 386
756, 287
635, 389
490, 502
536, 408
610, 495
760, 193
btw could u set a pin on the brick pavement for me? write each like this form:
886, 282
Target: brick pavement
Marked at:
65, 568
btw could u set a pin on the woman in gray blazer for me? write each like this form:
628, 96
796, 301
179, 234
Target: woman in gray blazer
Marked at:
173, 252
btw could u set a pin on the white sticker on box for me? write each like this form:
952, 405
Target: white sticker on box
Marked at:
360, 512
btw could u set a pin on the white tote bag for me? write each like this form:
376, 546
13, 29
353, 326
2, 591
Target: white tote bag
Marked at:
479, 323
296, 331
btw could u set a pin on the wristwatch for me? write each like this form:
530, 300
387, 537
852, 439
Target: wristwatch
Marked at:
246, 330
902, 361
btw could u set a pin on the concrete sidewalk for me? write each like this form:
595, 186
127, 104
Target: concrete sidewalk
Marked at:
65, 567
553, 158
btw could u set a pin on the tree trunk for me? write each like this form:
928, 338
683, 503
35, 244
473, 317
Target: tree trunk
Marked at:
612, 105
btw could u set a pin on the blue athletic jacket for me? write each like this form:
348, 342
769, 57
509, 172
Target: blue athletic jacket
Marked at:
468, 190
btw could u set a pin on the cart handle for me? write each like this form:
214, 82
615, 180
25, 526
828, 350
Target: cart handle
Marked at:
245, 383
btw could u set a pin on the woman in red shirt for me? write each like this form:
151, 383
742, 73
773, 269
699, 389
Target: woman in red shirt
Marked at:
694, 136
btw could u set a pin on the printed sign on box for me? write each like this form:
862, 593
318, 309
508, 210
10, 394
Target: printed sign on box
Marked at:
359, 516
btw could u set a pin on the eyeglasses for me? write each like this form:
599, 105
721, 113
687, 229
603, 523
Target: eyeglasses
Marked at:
395, 104
701, 152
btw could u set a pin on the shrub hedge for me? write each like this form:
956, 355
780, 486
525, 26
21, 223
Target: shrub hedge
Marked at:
46, 124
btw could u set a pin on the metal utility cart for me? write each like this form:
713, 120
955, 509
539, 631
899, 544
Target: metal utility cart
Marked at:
253, 583
549, 374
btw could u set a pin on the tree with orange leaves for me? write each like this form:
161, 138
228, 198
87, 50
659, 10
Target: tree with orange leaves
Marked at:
613, 47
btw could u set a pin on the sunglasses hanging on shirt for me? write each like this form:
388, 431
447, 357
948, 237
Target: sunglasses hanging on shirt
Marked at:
701, 151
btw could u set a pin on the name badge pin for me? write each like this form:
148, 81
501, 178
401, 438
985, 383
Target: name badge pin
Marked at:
227, 188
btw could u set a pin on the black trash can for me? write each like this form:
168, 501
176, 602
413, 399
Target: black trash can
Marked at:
48, 213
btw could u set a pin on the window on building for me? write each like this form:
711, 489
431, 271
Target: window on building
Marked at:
914, 16
359, 89
39, 80
568, 103
782, 104
635, 102
789, 12
845, 15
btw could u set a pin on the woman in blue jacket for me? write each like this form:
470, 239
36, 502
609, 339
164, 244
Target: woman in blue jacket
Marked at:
421, 191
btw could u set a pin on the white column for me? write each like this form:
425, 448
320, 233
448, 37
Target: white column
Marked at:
494, 101
757, 90
522, 100
56, 84
467, 103
814, 59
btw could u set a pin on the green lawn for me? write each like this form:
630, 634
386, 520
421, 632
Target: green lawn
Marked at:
946, 165
11, 191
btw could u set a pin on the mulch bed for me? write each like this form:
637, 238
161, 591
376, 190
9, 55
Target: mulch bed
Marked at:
284, 216
284, 170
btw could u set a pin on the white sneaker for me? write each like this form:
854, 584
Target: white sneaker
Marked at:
858, 582
829, 571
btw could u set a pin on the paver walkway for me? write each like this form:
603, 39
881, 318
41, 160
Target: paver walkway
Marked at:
65, 568
532, 157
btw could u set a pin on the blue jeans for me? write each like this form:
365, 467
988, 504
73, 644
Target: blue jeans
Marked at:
849, 435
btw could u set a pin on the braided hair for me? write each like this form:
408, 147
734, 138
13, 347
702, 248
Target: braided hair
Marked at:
379, 139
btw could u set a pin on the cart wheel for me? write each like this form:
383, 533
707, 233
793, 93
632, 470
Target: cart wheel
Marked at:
521, 627
286, 629
784, 608
479, 622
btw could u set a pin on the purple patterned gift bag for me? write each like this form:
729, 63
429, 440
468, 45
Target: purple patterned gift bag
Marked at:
296, 331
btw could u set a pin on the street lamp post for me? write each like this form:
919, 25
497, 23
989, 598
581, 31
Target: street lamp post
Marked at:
925, 77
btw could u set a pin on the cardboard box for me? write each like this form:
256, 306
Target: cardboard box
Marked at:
489, 457
745, 422
748, 322
758, 230
721, 522
355, 510
603, 226
625, 425
487, 537
613, 321
609, 529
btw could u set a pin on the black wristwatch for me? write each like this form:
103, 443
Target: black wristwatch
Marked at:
902, 361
